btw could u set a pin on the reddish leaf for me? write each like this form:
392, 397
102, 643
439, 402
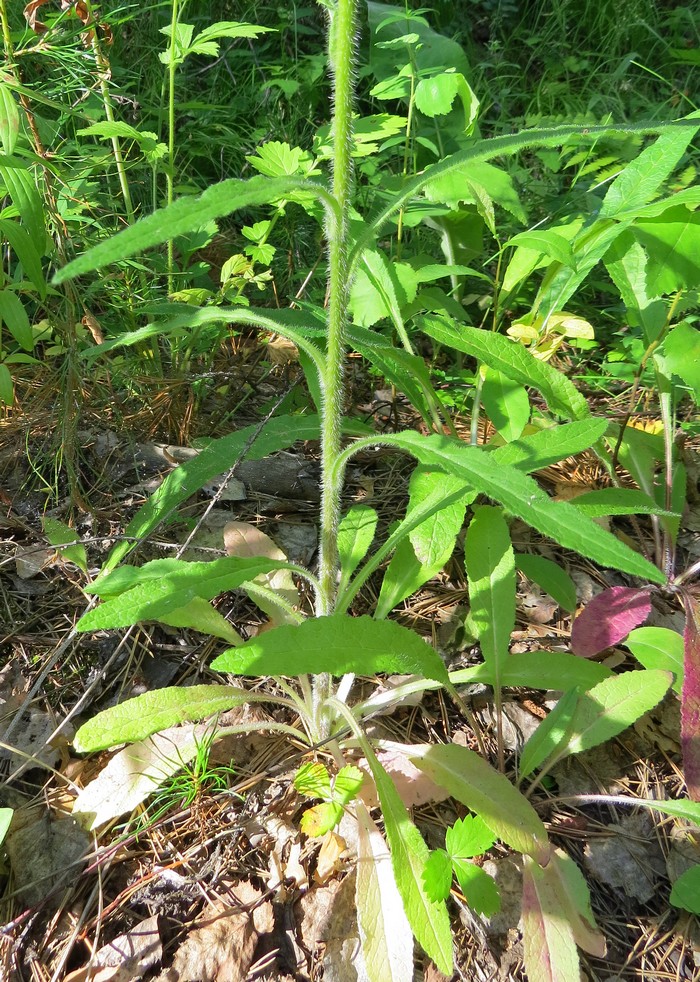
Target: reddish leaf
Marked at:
609, 618
690, 699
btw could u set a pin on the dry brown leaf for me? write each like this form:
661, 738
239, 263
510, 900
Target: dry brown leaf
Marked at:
94, 327
281, 351
126, 958
333, 848
246, 541
30, 15
414, 787
222, 946
30, 560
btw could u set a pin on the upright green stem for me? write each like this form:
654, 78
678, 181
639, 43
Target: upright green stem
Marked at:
340, 42
170, 170
341, 34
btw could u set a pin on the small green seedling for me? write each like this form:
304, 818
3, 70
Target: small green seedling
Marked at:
468, 837
314, 781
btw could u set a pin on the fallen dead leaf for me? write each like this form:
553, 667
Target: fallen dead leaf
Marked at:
245, 541
30, 560
629, 859
333, 848
126, 958
46, 854
414, 787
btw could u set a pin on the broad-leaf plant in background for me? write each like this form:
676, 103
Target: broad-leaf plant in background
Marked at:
315, 661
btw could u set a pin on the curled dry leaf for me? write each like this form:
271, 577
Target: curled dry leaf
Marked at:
330, 856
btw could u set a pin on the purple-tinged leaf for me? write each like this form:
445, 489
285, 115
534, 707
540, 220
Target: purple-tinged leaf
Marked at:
609, 618
548, 938
690, 699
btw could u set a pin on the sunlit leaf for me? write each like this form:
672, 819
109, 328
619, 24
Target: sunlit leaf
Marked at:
608, 618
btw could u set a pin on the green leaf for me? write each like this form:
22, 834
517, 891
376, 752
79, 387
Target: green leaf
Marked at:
506, 403
513, 360
660, 648
525, 498
7, 388
435, 96
9, 130
337, 645
573, 898
613, 705
320, 819
469, 836
429, 920
152, 597
276, 159
233, 29
253, 442
430, 544
477, 785
550, 577
550, 953
488, 555
481, 183
355, 535
347, 783
537, 670
672, 243
679, 355
5, 821
25, 196
479, 889
437, 875
58, 535
137, 718
545, 447
313, 780
14, 317
26, 251
183, 216
546, 242
617, 501
685, 892
641, 179
199, 615
550, 735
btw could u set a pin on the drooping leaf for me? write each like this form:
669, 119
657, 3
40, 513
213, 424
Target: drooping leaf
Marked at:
548, 939
152, 597
387, 939
514, 361
157, 710
613, 705
337, 645
690, 698
550, 577
685, 892
658, 647
183, 216
429, 920
641, 179
609, 618
550, 735
546, 242
490, 566
471, 780
524, 498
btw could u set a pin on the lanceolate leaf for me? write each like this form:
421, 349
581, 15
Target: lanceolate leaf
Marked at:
690, 699
551, 734
183, 216
514, 361
534, 451
618, 501
609, 618
551, 577
337, 644
409, 854
490, 567
538, 670
153, 711
387, 940
658, 647
523, 497
548, 939
571, 891
153, 598
471, 780
355, 536
613, 705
